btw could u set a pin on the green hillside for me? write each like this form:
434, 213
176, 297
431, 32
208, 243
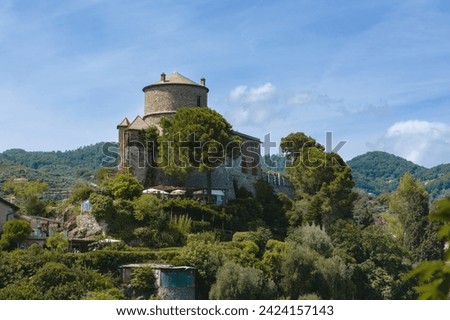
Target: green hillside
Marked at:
60, 169
377, 172
374, 172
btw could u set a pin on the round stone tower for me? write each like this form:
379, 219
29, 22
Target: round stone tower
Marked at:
165, 97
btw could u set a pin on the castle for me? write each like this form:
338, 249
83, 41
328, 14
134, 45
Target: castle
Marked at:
162, 99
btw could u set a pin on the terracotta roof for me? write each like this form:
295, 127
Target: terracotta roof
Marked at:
124, 123
138, 124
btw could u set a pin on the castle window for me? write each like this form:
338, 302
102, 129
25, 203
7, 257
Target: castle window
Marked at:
198, 101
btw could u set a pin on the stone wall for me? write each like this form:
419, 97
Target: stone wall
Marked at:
4, 210
135, 155
177, 293
171, 97
222, 178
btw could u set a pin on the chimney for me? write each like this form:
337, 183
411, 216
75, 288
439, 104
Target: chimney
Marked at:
203, 81
163, 77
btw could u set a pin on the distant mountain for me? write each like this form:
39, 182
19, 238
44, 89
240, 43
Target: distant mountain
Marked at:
60, 169
377, 172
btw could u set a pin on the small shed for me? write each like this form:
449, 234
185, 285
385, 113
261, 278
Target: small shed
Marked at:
173, 282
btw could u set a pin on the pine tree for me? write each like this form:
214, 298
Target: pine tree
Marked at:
410, 203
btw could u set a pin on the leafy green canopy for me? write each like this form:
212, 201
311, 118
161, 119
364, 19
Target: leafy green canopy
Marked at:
322, 180
143, 282
153, 221
235, 282
410, 204
14, 232
377, 172
195, 138
58, 242
27, 194
125, 186
434, 276
61, 170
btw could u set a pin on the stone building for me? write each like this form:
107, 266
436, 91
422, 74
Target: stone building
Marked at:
42, 228
162, 99
7, 210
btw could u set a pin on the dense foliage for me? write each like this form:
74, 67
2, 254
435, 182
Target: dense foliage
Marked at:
374, 172
14, 232
198, 138
327, 242
35, 273
434, 276
59, 169
378, 172
323, 182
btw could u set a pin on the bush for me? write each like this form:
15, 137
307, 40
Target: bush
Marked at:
143, 282
235, 282
14, 232
58, 242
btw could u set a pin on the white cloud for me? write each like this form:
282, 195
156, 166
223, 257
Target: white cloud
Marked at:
238, 93
243, 94
251, 106
301, 99
240, 115
308, 98
319, 103
422, 142
417, 127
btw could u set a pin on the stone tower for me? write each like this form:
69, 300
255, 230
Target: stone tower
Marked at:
161, 99
164, 97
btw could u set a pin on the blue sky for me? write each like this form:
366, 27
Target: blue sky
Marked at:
375, 73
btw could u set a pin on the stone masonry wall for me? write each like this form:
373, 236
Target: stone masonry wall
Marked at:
177, 293
223, 178
171, 97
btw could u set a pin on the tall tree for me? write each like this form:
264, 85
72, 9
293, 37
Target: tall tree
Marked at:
434, 276
195, 138
204, 253
125, 186
295, 144
322, 180
410, 204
